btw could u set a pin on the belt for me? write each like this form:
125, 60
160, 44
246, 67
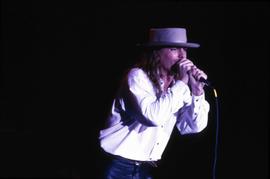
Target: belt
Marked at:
135, 162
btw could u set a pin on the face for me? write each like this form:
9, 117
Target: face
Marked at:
169, 56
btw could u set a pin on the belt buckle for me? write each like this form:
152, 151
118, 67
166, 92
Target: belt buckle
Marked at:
137, 163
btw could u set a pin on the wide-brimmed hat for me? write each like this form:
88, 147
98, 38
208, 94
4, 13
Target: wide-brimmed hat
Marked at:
162, 37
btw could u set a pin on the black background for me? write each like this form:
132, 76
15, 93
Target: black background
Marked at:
62, 61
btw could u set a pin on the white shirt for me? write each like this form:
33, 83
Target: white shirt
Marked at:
140, 124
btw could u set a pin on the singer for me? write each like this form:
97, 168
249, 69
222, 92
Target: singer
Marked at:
162, 91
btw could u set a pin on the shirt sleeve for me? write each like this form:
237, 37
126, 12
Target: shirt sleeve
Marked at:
156, 110
193, 117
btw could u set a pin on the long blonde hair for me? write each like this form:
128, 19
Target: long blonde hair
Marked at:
149, 61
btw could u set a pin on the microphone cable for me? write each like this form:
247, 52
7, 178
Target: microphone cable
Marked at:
214, 167
175, 69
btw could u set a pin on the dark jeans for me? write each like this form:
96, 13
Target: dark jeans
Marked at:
121, 168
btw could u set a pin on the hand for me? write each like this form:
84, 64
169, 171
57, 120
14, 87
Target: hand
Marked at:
194, 75
184, 66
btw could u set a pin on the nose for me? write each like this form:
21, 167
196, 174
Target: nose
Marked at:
182, 53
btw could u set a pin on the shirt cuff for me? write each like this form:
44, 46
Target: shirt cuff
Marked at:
196, 99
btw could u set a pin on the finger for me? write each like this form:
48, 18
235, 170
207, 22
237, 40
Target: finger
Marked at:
201, 74
185, 60
186, 64
197, 73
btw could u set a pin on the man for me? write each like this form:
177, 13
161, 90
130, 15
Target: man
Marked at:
160, 92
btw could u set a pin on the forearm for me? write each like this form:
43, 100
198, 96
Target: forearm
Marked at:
194, 117
161, 109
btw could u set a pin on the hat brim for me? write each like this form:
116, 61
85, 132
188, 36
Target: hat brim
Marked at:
170, 44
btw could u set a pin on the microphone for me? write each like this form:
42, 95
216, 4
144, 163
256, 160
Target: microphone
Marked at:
205, 81
175, 70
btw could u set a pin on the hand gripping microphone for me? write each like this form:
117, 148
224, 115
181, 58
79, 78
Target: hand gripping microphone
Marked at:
205, 81
175, 69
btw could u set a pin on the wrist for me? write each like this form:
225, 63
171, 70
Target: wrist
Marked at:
197, 92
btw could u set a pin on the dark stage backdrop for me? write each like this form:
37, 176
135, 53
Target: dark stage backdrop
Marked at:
61, 63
